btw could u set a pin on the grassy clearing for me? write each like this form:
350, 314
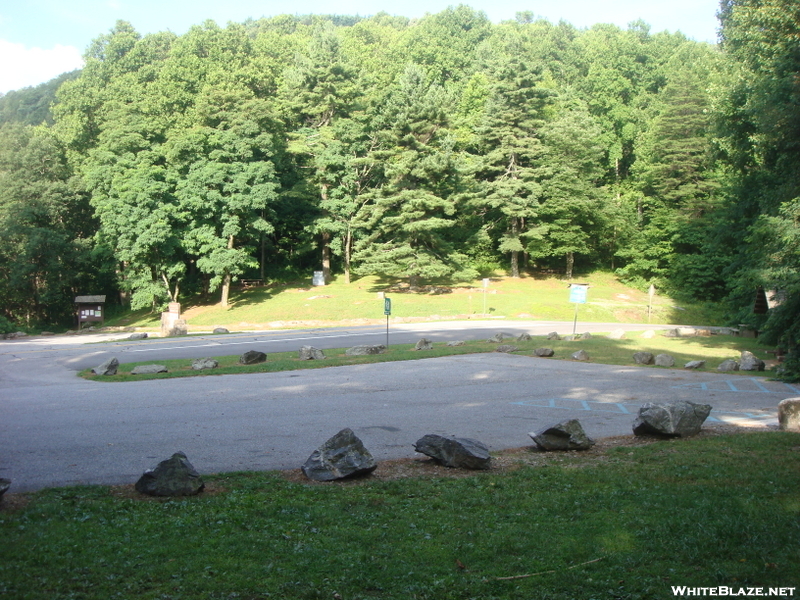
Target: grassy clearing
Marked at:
287, 305
714, 350
709, 511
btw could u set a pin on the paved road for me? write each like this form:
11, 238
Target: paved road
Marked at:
57, 429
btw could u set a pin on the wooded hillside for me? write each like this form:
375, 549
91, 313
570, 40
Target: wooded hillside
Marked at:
436, 149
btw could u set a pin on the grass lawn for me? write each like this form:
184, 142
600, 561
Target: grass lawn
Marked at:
298, 304
713, 350
624, 523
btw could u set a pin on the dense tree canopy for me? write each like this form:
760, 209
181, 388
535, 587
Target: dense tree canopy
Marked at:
437, 148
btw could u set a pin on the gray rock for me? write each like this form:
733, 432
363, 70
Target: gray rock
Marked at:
586, 336
617, 334
138, 336
524, 337
686, 331
456, 343
220, 330
461, 453
644, 358
497, 338
4, 485
750, 362
571, 338
694, 364
178, 328
670, 333
580, 355
553, 335
107, 368
310, 353
649, 334
789, 415
567, 435
172, 477
200, 364
252, 357
424, 344
149, 369
544, 352
728, 365
366, 349
343, 455
47, 333
675, 419
664, 360
506, 348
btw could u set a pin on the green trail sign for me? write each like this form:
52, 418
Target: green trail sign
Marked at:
387, 306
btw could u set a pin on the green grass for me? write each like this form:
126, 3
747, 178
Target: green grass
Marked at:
709, 511
292, 305
601, 350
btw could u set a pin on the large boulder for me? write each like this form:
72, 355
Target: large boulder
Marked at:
644, 358
553, 335
580, 355
172, 477
567, 435
464, 453
694, 364
138, 336
524, 337
424, 344
544, 352
220, 330
673, 419
343, 455
789, 414
200, 364
149, 370
252, 357
507, 348
617, 334
310, 353
664, 360
109, 367
498, 337
365, 349
728, 365
456, 343
750, 362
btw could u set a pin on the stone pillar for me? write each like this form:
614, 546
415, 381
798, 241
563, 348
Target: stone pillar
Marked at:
171, 322
789, 414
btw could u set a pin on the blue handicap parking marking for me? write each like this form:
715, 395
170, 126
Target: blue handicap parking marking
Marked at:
742, 384
625, 408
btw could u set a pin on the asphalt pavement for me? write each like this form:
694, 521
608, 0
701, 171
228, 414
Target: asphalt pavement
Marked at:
57, 429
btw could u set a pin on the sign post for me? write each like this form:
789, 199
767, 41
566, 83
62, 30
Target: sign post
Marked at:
577, 294
387, 310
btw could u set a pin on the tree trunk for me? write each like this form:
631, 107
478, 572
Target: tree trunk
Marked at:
326, 256
226, 281
348, 240
570, 263
515, 253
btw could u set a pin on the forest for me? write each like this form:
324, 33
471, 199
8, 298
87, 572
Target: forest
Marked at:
437, 149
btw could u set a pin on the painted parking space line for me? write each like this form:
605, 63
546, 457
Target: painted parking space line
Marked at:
624, 408
742, 384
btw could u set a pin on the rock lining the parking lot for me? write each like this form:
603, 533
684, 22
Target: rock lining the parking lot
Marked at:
750, 362
252, 357
671, 419
566, 435
109, 367
789, 415
172, 477
644, 358
310, 353
366, 349
460, 453
200, 364
342, 456
664, 360
149, 370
